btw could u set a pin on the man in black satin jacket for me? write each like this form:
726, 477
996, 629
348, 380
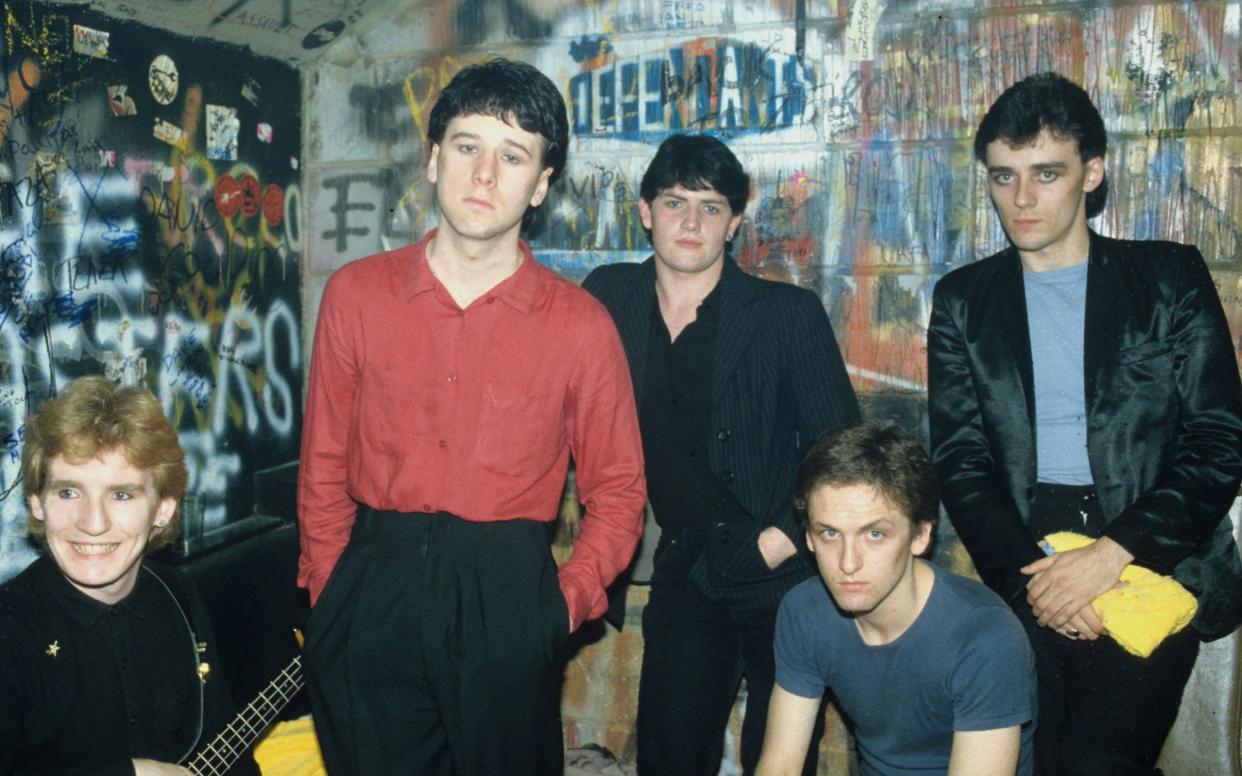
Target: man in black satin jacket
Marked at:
1086, 384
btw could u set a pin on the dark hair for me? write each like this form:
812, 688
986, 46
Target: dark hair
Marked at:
884, 456
1053, 102
93, 416
509, 91
698, 163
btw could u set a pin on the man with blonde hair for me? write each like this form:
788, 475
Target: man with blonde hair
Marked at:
105, 658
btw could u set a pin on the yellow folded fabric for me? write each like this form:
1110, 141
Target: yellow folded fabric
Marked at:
290, 749
1147, 610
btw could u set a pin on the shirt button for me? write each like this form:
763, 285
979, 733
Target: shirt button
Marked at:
443, 444
452, 378
491, 299
724, 434
426, 507
726, 476
133, 719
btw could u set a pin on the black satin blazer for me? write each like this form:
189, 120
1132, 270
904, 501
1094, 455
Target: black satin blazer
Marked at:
1164, 416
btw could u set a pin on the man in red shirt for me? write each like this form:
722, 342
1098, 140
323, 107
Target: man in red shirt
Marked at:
451, 380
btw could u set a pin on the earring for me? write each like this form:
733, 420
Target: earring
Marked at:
730, 237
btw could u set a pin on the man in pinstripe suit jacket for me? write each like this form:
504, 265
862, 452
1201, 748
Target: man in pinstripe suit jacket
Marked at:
735, 378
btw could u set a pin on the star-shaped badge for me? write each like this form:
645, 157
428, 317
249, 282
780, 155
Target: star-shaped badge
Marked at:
53, 649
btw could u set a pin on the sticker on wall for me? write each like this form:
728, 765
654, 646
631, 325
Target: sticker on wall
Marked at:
120, 102
92, 43
223, 127
249, 195
860, 29
168, 132
273, 204
251, 91
228, 196
323, 34
107, 158
293, 162
45, 170
264, 132
162, 75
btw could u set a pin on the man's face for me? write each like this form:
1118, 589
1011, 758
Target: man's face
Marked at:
689, 229
864, 547
98, 516
1039, 191
486, 173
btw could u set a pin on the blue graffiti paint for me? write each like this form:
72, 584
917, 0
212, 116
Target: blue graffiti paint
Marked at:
713, 84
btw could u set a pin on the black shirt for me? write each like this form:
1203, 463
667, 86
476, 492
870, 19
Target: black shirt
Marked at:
85, 686
675, 415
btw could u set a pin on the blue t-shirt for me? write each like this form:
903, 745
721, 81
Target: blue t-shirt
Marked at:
964, 664
1056, 308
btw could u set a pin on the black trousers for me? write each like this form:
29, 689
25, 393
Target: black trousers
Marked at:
1101, 709
435, 650
695, 653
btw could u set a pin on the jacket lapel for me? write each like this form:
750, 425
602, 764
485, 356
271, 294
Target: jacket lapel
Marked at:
1102, 321
634, 323
736, 325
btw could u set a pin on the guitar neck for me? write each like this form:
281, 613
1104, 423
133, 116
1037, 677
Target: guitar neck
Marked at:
233, 742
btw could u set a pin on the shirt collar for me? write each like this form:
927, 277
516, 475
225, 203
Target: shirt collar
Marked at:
521, 290
83, 609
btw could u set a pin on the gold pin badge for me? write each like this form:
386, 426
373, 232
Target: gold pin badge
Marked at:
203, 670
53, 649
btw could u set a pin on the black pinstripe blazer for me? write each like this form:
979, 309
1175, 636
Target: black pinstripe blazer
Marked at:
778, 383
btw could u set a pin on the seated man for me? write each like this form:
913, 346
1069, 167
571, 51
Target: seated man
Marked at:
105, 658
933, 669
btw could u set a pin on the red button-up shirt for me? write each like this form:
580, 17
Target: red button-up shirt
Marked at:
417, 405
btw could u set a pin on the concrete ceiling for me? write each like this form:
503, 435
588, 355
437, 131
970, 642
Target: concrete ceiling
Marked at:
295, 31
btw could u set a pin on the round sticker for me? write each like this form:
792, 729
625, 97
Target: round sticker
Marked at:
163, 78
273, 204
228, 196
249, 195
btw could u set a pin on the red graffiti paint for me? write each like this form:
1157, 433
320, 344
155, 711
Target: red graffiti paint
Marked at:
228, 196
273, 204
249, 195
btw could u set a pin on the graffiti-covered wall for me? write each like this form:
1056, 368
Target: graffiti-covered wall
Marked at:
150, 232
855, 120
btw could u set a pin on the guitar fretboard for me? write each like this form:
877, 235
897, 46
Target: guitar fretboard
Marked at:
220, 755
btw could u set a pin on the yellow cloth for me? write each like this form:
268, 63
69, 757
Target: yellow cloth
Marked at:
290, 749
1147, 610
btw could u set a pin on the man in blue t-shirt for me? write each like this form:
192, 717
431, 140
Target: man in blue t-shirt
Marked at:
933, 669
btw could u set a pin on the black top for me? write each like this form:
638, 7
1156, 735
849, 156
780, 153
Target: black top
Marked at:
675, 414
85, 687
778, 383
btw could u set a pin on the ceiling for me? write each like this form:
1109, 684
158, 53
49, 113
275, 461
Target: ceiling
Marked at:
295, 31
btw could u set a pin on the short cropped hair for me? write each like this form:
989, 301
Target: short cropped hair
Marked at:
884, 456
1053, 102
93, 416
509, 91
698, 163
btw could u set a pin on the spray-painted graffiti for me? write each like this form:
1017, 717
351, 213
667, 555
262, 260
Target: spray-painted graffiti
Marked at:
707, 83
119, 256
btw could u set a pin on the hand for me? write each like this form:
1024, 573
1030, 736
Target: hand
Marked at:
153, 768
1063, 584
1085, 625
775, 547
